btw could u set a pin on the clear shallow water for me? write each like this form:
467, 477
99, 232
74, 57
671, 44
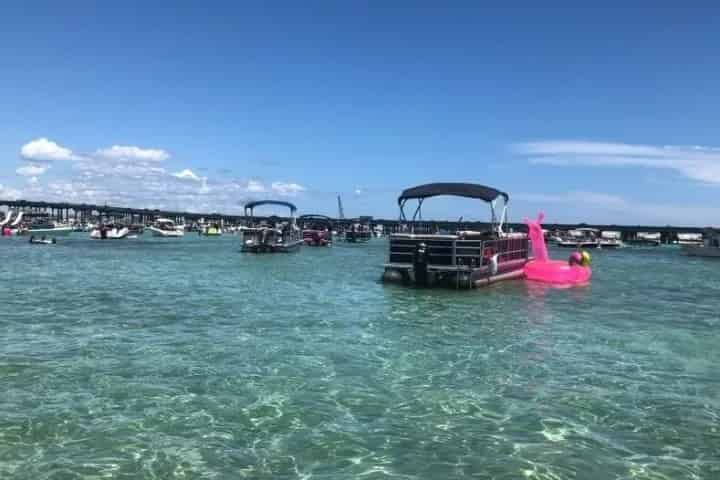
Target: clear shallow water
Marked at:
187, 359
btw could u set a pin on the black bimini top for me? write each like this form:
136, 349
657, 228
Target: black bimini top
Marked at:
316, 218
252, 205
469, 190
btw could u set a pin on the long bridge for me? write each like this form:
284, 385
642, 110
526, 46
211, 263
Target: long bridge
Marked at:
82, 212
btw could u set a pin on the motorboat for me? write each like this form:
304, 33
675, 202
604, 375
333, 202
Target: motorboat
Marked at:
317, 230
691, 239
580, 238
283, 236
709, 248
459, 259
646, 239
42, 240
212, 230
45, 228
110, 232
164, 227
610, 239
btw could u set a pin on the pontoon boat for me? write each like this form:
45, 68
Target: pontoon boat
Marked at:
264, 238
461, 259
358, 232
317, 230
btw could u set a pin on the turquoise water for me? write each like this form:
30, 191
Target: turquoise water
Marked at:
156, 358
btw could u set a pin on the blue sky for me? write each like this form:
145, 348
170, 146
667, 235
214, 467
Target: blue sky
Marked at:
587, 113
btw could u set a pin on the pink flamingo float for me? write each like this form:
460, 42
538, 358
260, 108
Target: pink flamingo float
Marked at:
574, 271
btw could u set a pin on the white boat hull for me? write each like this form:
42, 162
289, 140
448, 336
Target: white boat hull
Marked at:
157, 232
112, 234
49, 232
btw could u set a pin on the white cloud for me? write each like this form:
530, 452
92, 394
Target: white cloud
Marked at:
254, 186
287, 189
44, 150
132, 153
31, 170
358, 191
695, 162
7, 193
133, 176
187, 174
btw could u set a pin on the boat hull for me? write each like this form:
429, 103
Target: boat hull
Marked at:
405, 274
48, 232
579, 244
110, 235
166, 233
271, 248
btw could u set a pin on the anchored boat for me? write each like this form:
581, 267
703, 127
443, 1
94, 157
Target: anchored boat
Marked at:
610, 239
263, 238
646, 239
45, 228
710, 246
164, 227
110, 232
358, 232
580, 238
463, 259
317, 230
212, 230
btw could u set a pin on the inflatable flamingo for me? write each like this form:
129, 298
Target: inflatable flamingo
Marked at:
542, 269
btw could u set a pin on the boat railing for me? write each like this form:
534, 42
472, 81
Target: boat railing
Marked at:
449, 251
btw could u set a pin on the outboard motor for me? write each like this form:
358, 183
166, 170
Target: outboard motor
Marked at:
420, 264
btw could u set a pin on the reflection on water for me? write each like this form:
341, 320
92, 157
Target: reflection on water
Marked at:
184, 358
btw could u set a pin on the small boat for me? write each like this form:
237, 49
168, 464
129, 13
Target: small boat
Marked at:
460, 259
358, 232
610, 239
580, 238
646, 239
213, 230
42, 240
691, 239
47, 229
164, 227
710, 246
110, 232
265, 238
317, 230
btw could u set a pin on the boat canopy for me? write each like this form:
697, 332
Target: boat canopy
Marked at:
318, 219
251, 205
469, 190
312, 216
